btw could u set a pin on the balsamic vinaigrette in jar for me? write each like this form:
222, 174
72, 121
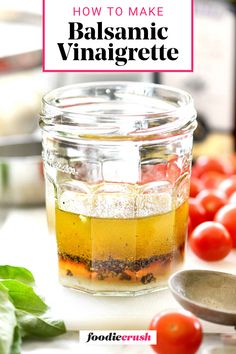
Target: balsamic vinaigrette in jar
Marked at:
117, 160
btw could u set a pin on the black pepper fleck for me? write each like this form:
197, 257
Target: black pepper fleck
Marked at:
148, 278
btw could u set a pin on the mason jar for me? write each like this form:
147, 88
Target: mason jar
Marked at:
117, 159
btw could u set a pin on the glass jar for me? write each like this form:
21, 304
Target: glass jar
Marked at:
117, 158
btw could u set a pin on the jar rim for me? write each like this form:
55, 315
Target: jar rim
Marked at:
141, 109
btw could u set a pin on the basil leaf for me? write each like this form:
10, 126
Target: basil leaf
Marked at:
7, 321
22, 311
16, 345
24, 298
39, 326
18, 273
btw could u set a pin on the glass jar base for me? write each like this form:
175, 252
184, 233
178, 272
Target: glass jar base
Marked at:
114, 290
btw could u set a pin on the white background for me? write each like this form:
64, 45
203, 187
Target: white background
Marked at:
177, 17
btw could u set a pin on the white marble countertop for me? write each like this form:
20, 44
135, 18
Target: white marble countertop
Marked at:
26, 242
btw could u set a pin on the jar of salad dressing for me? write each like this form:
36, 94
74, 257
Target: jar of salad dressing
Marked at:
117, 159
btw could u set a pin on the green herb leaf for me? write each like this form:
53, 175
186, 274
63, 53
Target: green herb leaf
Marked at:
18, 273
16, 345
39, 326
7, 321
22, 311
24, 298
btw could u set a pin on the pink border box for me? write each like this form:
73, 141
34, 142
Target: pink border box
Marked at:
118, 71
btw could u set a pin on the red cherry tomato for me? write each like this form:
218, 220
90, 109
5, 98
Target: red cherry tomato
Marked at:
147, 177
197, 213
232, 199
196, 186
206, 164
212, 179
177, 333
173, 170
227, 217
228, 186
152, 173
190, 227
232, 161
210, 241
211, 201
194, 172
161, 172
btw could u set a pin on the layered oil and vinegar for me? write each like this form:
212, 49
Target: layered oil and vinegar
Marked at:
127, 242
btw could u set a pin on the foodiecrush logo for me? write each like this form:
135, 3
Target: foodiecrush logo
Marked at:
118, 337
118, 35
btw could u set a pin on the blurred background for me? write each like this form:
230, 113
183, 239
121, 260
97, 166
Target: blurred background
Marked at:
22, 85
